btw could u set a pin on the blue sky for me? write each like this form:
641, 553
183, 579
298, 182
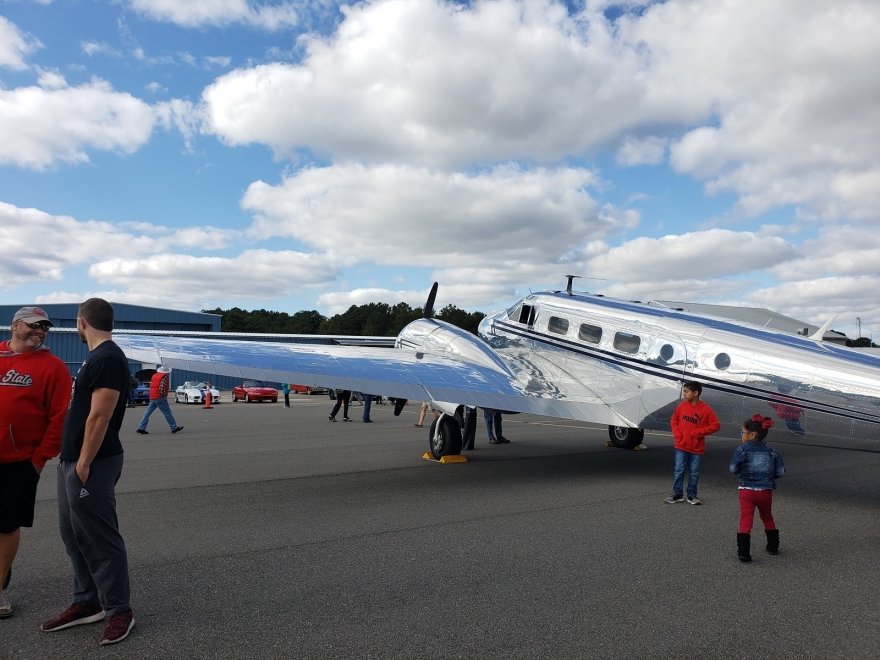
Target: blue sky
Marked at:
315, 155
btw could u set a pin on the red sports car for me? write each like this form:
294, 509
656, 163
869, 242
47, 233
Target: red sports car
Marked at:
254, 390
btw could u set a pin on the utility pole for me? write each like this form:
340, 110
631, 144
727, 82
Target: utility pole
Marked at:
859, 319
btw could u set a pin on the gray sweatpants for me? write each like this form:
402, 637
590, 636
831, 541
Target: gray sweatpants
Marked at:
90, 531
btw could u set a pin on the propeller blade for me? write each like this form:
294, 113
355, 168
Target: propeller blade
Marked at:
429, 305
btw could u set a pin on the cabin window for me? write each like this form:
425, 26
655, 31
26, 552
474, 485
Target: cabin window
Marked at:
666, 352
527, 314
627, 343
590, 333
558, 325
722, 361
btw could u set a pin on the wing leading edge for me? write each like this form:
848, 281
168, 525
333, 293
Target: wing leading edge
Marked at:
397, 373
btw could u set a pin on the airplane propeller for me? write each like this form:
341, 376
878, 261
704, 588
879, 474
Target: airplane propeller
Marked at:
429, 304
428, 314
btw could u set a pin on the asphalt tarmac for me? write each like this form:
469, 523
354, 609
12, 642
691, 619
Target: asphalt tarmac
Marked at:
265, 532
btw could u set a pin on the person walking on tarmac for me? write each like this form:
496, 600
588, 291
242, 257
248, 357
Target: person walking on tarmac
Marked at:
343, 397
159, 386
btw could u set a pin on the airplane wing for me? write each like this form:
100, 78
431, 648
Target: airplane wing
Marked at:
398, 372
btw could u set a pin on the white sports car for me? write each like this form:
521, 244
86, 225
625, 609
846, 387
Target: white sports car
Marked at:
193, 391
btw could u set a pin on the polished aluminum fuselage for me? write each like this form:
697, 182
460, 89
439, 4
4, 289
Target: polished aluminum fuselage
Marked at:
633, 357
581, 357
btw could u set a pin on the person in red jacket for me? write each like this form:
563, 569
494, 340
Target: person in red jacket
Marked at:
159, 386
691, 422
34, 393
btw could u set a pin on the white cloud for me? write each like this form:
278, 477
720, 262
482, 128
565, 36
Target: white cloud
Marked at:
786, 84
181, 115
437, 84
193, 13
92, 48
37, 247
15, 46
817, 300
714, 253
501, 217
51, 79
848, 251
185, 281
42, 127
641, 151
772, 103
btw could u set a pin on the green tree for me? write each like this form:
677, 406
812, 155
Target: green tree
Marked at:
458, 317
372, 319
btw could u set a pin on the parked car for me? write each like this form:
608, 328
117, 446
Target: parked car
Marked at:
193, 391
140, 394
307, 389
254, 390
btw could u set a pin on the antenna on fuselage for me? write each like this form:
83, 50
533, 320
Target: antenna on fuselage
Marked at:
429, 304
568, 286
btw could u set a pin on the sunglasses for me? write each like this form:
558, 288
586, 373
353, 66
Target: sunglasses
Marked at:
39, 325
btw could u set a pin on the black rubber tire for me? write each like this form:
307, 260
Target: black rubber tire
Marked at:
448, 440
624, 437
247, 398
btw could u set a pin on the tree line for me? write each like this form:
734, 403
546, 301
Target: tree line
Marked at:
373, 320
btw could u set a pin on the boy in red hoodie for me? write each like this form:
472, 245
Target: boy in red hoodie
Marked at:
34, 393
691, 422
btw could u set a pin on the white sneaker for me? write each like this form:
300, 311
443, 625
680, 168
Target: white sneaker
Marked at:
5, 605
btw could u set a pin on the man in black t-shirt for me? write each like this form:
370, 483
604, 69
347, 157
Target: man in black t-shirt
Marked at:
90, 466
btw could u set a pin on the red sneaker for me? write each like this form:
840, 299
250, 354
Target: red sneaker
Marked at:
75, 615
118, 627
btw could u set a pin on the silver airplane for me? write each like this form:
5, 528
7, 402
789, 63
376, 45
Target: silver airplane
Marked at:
575, 356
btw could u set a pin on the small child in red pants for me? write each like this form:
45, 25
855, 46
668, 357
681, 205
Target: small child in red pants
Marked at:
758, 467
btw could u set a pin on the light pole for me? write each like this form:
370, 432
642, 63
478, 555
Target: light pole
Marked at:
859, 319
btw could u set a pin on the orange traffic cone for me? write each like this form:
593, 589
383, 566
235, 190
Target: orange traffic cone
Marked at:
208, 396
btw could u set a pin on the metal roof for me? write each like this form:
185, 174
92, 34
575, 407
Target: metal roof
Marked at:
756, 316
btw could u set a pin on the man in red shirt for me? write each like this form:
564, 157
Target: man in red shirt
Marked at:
159, 386
34, 393
691, 422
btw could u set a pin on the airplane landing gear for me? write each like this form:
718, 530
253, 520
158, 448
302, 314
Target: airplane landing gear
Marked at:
624, 437
445, 437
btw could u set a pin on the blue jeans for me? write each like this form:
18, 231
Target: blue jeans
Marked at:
368, 402
493, 423
161, 404
686, 461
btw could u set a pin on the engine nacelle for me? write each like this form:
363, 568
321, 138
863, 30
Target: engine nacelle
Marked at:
439, 338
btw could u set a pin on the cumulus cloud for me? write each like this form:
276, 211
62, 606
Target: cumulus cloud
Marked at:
497, 217
42, 127
819, 299
15, 45
714, 253
772, 106
786, 86
846, 251
36, 246
438, 84
194, 13
253, 275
